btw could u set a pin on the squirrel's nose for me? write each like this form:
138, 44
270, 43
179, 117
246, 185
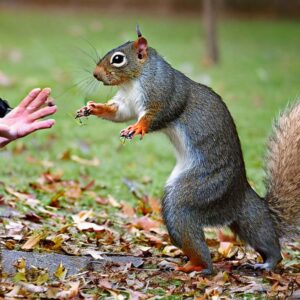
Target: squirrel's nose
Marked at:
95, 75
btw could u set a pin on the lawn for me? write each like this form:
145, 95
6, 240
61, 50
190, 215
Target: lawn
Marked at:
259, 74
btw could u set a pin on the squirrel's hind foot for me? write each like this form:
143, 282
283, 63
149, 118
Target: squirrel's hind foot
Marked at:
189, 267
257, 267
265, 266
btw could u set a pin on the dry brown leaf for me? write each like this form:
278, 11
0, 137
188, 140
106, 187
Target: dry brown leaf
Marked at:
172, 251
221, 278
73, 190
155, 240
90, 226
29, 199
154, 203
33, 241
93, 162
49, 177
71, 293
104, 283
145, 223
127, 209
82, 216
227, 249
71, 249
113, 202
253, 287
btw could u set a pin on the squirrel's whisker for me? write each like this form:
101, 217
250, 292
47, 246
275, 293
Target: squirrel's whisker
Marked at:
94, 49
73, 86
95, 60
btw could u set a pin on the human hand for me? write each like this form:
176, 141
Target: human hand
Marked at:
24, 119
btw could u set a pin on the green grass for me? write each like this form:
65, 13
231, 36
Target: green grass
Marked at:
258, 75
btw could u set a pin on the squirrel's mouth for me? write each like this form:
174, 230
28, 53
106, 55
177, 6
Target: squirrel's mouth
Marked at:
103, 78
107, 77
106, 80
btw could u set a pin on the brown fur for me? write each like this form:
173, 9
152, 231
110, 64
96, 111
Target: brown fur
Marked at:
283, 173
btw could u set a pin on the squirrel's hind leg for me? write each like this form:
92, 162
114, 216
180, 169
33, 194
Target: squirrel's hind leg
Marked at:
255, 227
185, 230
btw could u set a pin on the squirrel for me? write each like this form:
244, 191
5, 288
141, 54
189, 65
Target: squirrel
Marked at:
208, 186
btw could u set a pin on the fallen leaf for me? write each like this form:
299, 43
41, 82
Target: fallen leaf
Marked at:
172, 251
13, 293
221, 278
127, 209
82, 216
29, 199
253, 287
61, 272
95, 254
227, 249
167, 265
33, 241
71, 293
154, 203
90, 226
93, 162
32, 288
37, 275
33, 217
104, 283
113, 202
70, 248
145, 223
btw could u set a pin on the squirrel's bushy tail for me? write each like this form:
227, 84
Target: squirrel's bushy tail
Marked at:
283, 173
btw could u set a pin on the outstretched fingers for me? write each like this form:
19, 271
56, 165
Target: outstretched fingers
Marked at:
37, 125
38, 100
30, 97
43, 112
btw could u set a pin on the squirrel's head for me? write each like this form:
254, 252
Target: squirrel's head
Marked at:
123, 63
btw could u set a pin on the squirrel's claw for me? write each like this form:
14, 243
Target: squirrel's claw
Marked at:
128, 133
83, 112
131, 131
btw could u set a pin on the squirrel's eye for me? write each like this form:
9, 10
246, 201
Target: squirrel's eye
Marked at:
118, 59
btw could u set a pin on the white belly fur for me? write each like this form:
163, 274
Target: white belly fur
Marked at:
183, 157
130, 100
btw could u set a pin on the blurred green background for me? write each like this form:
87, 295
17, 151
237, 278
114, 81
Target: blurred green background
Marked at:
258, 75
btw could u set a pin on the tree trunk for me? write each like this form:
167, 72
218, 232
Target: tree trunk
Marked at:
210, 23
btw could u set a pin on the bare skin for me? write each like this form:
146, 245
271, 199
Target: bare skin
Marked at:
25, 118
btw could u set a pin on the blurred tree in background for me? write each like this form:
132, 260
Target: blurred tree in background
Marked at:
210, 20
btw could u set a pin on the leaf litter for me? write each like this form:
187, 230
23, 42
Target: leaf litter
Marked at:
114, 227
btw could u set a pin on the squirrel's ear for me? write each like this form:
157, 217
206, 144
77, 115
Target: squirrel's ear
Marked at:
141, 46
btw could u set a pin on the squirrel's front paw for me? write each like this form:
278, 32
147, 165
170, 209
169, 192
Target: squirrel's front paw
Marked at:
82, 112
86, 110
131, 131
